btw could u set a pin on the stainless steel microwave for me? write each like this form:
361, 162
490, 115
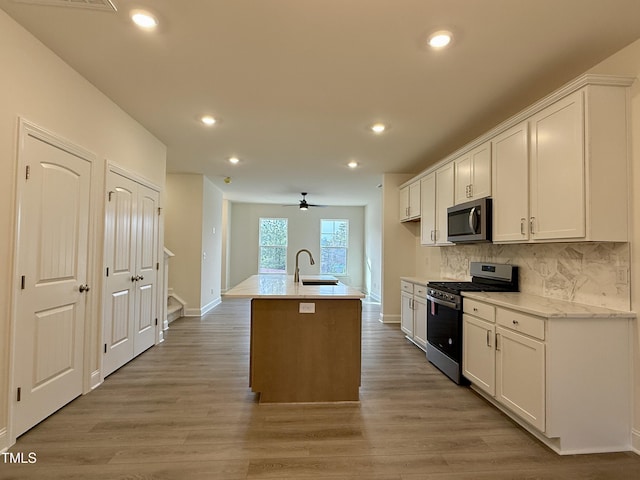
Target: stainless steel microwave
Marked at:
470, 222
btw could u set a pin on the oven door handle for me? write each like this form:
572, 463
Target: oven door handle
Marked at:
439, 301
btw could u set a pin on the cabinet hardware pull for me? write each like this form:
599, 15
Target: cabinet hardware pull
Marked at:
515, 322
522, 222
531, 225
471, 190
489, 338
475, 309
497, 342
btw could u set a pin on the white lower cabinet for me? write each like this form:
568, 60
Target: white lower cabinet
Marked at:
520, 376
478, 355
413, 312
565, 377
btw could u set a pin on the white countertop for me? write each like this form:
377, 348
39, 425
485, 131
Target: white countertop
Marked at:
546, 307
423, 281
282, 286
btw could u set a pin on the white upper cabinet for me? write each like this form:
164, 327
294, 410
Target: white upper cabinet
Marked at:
437, 191
428, 209
562, 174
473, 174
511, 184
410, 202
557, 169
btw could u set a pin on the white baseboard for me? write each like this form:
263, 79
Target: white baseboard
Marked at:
210, 306
96, 381
4, 440
198, 312
389, 318
635, 441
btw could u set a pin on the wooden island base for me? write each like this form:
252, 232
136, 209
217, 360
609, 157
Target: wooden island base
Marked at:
305, 357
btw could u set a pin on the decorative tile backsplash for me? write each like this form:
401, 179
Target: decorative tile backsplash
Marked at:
577, 272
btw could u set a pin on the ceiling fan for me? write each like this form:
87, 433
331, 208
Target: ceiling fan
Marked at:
304, 205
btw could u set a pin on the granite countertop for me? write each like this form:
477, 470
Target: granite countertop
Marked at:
546, 307
282, 286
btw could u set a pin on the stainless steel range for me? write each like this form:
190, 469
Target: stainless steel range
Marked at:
444, 312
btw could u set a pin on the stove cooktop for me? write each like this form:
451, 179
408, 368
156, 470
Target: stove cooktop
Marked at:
457, 287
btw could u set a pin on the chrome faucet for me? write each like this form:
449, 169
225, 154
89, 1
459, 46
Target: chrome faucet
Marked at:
296, 274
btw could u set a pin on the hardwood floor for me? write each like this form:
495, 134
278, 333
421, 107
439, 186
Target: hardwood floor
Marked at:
183, 410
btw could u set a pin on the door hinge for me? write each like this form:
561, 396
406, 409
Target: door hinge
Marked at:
19, 394
28, 172
107, 271
22, 282
105, 348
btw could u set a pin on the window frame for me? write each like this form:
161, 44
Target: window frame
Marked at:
345, 248
261, 246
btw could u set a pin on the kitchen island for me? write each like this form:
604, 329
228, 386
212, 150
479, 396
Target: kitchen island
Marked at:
305, 339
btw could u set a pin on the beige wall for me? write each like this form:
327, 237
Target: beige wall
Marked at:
212, 234
304, 232
373, 248
37, 86
398, 247
194, 232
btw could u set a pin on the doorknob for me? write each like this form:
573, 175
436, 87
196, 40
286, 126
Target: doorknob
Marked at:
84, 288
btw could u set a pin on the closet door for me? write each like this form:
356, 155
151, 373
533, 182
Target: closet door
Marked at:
120, 259
146, 285
131, 259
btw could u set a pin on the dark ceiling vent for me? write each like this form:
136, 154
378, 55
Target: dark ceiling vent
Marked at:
107, 5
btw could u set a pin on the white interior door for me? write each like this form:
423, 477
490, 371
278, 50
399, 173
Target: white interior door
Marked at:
120, 260
146, 269
54, 208
131, 256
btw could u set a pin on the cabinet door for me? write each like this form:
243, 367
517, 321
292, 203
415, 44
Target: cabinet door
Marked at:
444, 200
406, 313
414, 200
428, 209
478, 354
510, 160
520, 376
404, 204
420, 321
558, 170
480, 171
462, 166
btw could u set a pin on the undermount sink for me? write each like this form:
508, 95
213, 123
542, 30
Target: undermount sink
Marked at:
318, 281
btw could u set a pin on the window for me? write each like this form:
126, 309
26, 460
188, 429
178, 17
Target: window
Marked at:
334, 240
273, 245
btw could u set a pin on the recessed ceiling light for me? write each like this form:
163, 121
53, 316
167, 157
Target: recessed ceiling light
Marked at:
144, 19
378, 128
440, 39
234, 160
208, 120
352, 164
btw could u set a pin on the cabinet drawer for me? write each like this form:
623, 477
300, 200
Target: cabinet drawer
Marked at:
479, 309
406, 286
420, 291
520, 322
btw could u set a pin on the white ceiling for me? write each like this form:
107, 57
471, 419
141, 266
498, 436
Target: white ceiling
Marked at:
296, 82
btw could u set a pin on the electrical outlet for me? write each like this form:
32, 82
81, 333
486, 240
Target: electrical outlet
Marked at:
307, 308
622, 276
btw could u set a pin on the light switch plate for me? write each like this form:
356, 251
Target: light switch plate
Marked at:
307, 308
